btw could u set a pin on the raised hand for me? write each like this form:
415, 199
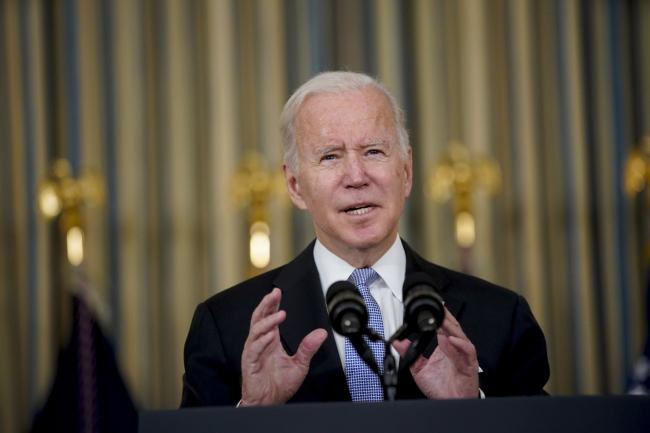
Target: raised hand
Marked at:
269, 375
452, 369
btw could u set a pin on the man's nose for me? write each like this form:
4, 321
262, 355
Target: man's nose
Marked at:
355, 172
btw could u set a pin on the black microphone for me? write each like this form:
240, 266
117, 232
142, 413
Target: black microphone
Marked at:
347, 310
349, 317
423, 314
423, 305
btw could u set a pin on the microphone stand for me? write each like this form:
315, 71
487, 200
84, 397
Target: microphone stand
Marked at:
389, 380
417, 347
389, 377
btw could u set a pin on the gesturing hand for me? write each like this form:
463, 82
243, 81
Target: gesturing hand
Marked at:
269, 375
452, 369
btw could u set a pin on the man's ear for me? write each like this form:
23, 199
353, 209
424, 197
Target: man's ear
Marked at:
408, 172
293, 187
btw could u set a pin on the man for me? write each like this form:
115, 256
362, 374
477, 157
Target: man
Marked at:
268, 340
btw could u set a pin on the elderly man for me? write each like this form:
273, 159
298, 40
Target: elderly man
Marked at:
268, 340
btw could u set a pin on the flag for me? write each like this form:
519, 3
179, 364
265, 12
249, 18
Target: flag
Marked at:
88, 394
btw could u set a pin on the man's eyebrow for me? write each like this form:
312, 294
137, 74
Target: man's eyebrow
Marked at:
327, 149
375, 142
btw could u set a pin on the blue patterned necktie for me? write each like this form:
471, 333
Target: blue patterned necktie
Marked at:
363, 383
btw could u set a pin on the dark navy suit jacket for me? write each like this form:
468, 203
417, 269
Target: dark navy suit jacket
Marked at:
510, 345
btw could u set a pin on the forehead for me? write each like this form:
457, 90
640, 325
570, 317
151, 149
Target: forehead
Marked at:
348, 114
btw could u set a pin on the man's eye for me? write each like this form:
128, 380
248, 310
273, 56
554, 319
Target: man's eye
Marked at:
375, 152
329, 157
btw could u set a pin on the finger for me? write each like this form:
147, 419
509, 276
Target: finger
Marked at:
309, 346
446, 347
253, 350
465, 349
450, 319
273, 302
458, 348
268, 305
450, 326
460, 352
267, 324
261, 335
449, 351
402, 346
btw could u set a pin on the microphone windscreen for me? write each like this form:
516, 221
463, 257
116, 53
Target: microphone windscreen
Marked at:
346, 309
423, 305
337, 288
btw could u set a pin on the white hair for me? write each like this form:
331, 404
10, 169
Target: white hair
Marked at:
334, 82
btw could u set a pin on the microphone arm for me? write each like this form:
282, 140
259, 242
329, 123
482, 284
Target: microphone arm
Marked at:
364, 352
417, 348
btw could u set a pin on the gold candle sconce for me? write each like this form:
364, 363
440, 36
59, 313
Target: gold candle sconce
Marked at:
636, 180
455, 177
253, 187
62, 196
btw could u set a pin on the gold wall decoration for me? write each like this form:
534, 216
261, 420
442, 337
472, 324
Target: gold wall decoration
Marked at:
637, 180
253, 187
62, 196
456, 176
637, 168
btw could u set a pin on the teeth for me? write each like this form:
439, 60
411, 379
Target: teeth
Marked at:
359, 211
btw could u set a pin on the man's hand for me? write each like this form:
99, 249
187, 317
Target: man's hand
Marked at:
269, 375
452, 369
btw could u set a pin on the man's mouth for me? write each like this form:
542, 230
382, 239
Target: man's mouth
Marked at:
359, 210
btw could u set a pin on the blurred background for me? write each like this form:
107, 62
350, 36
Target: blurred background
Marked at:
173, 106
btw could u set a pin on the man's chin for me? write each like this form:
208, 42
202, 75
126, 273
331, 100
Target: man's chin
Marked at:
365, 241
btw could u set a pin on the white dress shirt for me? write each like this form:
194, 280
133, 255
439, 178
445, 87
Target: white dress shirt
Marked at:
387, 289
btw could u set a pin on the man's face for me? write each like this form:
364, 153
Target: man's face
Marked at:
352, 177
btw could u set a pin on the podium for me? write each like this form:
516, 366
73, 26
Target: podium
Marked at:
627, 414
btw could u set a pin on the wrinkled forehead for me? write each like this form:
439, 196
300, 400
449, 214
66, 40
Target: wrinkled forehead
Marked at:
364, 111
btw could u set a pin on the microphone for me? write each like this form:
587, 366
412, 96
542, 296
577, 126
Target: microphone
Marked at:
423, 305
423, 314
347, 310
349, 317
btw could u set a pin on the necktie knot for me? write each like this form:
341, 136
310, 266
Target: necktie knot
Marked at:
363, 277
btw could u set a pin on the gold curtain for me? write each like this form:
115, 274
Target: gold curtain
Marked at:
165, 97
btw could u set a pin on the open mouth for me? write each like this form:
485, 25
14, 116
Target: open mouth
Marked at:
359, 210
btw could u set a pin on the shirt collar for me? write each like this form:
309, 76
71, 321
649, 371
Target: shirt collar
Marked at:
391, 267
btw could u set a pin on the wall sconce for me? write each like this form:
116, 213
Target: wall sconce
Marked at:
62, 196
456, 176
637, 168
636, 179
253, 186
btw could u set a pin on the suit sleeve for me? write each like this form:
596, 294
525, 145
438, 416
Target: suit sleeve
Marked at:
208, 379
525, 370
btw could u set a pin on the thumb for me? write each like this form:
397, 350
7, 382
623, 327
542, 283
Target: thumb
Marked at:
402, 346
310, 345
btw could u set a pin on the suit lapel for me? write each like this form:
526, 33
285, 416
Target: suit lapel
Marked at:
415, 263
303, 300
